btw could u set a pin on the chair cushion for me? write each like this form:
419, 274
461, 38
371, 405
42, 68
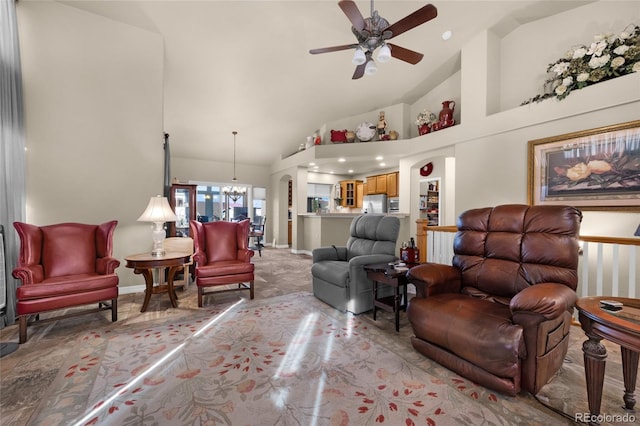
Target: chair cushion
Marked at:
67, 285
477, 330
221, 241
505, 249
333, 271
68, 249
373, 234
223, 268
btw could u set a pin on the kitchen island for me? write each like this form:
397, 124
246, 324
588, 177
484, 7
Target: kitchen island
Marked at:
326, 229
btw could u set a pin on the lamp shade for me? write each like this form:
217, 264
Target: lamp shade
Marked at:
384, 55
370, 68
158, 210
359, 57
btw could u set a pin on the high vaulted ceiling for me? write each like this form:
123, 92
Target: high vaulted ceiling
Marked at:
245, 65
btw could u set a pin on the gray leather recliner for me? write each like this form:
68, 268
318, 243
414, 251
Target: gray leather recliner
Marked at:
339, 278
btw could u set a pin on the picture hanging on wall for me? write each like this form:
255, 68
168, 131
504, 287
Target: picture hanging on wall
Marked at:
595, 169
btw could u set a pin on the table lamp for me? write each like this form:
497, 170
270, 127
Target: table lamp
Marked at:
158, 212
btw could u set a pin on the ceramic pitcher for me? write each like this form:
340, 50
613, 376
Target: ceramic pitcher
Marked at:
446, 115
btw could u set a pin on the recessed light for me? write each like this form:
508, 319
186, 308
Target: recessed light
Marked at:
350, 170
383, 164
331, 172
312, 164
447, 35
341, 160
379, 157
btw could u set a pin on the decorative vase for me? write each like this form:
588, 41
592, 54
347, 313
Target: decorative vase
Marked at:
393, 135
351, 136
424, 129
445, 119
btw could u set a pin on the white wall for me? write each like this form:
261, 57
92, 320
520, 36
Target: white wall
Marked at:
93, 108
189, 169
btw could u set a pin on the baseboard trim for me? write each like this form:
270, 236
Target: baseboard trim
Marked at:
131, 289
307, 252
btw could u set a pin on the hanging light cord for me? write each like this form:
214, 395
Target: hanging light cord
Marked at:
234, 156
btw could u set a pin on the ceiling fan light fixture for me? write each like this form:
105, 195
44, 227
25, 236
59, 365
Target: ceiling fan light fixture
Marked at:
384, 54
371, 67
359, 57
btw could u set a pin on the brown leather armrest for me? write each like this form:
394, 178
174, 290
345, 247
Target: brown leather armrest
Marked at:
434, 278
547, 299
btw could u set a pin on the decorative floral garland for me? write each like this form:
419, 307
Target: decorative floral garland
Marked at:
609, 56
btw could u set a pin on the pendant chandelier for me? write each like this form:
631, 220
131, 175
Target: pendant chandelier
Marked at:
234, 192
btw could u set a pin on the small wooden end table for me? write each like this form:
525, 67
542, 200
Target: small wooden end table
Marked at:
383, 273
146, 264
620, 327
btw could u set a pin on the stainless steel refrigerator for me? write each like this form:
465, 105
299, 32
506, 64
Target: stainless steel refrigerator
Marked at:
374, 203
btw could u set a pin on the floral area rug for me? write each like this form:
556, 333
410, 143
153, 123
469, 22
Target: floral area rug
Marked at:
283, 360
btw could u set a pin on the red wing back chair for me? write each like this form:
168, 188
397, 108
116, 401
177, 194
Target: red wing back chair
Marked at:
65, 265
222, 256
500, 316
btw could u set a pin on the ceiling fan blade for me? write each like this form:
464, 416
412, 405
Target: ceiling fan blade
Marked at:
359, 72
406, 55
353, 13
419, 17
333, 48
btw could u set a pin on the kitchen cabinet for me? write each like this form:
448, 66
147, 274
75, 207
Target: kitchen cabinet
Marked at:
371, 186
392, 184
182, 199
359, 194
348, 189
382, 184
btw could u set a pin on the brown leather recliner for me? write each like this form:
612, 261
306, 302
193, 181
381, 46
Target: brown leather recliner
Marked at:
65, 265
500, 316
222, 256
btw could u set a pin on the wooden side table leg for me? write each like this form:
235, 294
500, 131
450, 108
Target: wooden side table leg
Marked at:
595, 355
375, 297
172, 291
630, 373
396, 305
148, 280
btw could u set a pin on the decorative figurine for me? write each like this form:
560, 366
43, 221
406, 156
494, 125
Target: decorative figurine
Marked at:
382, 126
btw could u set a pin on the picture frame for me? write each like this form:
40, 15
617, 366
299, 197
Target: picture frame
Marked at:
594, 169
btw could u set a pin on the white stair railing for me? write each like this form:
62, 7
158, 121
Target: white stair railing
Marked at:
609, 267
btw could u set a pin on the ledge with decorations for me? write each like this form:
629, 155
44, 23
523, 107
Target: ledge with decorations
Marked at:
605, 58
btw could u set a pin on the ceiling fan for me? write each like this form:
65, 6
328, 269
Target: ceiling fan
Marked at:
373, 33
